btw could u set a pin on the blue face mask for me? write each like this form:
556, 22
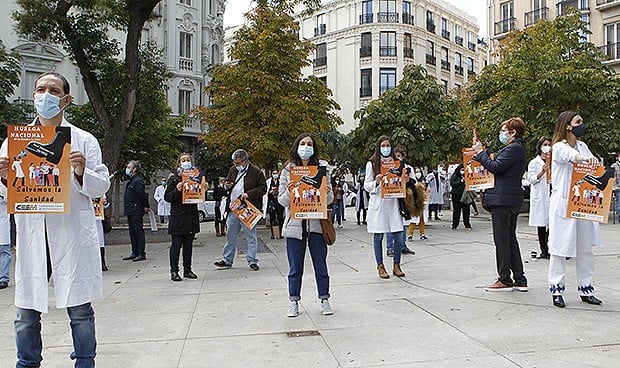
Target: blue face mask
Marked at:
47, 105
128, 172
186, 165
579, 130
386, 151
503, 137
305, 152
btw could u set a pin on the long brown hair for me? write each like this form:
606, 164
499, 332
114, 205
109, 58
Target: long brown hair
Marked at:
560, 133
375, 159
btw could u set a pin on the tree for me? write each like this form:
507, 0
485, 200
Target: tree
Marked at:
83, 28
9, 79
418, 115
262, 102
544, 70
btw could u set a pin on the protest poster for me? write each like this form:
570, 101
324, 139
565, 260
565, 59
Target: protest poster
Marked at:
192, 187
98, 206
392, 178
246, 212
590, 193
309, 193
476, 176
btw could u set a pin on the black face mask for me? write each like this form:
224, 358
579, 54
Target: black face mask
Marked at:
579, 130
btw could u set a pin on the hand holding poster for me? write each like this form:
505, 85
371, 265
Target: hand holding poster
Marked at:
591, 189
246, 212
192, 187
309, 192
476, 176
392, 180
39, 177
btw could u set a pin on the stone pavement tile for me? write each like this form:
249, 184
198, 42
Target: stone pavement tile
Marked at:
134, 354
587, 357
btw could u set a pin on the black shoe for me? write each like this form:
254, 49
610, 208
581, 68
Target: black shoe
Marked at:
104, 267
407, 251
4, 285
254, 267
591, 299
130, 257
52, 151
222, 264
599, 181
190, 275
317, 179
139, 258
544, 255
174, 276
558, 301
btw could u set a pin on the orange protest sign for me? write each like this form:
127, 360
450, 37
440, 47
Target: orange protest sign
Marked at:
392, 180
309, 194
476, 176
39, 178
193, 187
590, 193
98, 208
246, 212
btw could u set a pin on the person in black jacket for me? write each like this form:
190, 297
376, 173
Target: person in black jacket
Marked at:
136, 205
457, 185
183, 224
220, 193
504, 202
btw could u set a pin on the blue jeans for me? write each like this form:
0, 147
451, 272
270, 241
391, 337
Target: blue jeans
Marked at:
399, 238
296, 252
5, 262
234, 226
617, 203
28, 337
389, 238
337, 211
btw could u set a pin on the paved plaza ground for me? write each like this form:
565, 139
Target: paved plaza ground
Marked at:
437, 316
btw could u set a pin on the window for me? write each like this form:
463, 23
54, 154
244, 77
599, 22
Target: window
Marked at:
507, 10
538, 12
366, 16
387, 11
387, 44
430, 23
366, 48
507, 22
444, 29
321, 54
458, 63
445, 62
215, 54
612, 41
458, 34
470, 65
444, 85
407, 15
430, 52
366, 83
185, 101
407, 46
185, 45
186, 2
471, 41
387, 79
321, 26
323, 80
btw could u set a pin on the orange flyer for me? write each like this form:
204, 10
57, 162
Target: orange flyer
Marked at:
39, 179
392, 179
309, 194
476, 176
98, 208
246, 212
590, 193
193, 187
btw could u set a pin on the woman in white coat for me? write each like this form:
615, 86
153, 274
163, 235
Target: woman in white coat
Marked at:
383, 214
570, 237
539, 194
163, 207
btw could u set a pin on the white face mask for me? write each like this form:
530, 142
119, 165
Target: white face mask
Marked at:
545, 149
186, 165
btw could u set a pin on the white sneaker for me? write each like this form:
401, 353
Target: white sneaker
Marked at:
410, 238
293, 310
326, 308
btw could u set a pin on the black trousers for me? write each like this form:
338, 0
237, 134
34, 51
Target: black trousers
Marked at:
507, 252
185, 241
543, 238
136, 234
457, 208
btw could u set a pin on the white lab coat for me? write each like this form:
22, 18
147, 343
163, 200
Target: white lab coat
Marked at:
383, 214
564, 232
73, 241
539, 194
436, 193
5, 222
163, 207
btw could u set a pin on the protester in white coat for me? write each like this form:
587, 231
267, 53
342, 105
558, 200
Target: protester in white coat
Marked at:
436, 184
72, 260
163, 207
383, 213
539, 194
570, 237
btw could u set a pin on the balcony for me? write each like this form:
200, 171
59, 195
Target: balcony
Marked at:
365, 51
366, 91
27, 108
320, 61
458, 69
320, 30
387, 17
430, 59
387, 51
505, 25
535, 15
471, 46
408, 52
430, 26
366, 18
458, 40
445, 34
470, 72
611, 51
193, 127
607, 2
407, 18
563, 6
445, 65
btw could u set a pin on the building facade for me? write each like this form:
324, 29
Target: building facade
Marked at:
190, 32
362, 47
601, 16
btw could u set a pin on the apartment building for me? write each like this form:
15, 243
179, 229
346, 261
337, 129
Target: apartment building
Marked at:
362, 47
190, 32
601, 16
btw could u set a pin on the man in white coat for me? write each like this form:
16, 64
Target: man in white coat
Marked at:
539, 194
61, 246
163, 207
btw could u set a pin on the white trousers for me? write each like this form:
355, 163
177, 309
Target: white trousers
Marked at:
584, 262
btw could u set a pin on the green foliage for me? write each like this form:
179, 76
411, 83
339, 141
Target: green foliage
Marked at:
212, 164
334, 147
419, 117
9, 79
153, 138
544, 70
262, 102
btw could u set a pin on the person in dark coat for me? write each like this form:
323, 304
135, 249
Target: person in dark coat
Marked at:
457, 187
184, 222
504, 202
136, 204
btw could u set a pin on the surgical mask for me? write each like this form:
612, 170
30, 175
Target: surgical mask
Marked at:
418, 174
579, 130
128, 172
275, 176
503, 137
462, 172
545, 149
186, 165
47, 105
240, 167
305, 152
385, 151
163, 182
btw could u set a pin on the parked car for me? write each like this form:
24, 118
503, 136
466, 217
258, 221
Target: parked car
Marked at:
350, 198
206, 210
